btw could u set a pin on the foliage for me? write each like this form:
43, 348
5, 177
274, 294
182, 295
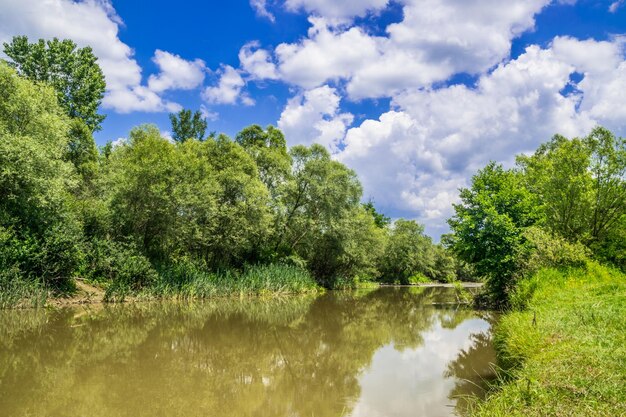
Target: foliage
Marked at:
187, 125
564, 354
37, 219
73, 72
488, 227
380, 219
407, 253
546, 250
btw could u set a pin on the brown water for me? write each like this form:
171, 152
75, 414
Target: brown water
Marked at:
387, 352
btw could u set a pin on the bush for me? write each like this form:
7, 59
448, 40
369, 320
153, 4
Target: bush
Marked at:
121, 267
547, 250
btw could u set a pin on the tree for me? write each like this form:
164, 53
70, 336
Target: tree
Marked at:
488, 227
268, 148
580, 183
140, 181
39, 230
380, 219
408, 252
187, 125
558, 174
73, 72
608, 170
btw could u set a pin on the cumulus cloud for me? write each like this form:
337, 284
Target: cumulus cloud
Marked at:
337, 10
89, 23
175, 72
257, 62
260, 7
325, 55
314, 117
228, 89
615, 5
425, 47
413, 158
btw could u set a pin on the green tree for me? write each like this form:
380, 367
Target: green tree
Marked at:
608, 170
320, 193
141, 179
73, 72
408, 253
558, 174
488, 227
380, 219
188, 125
268, 148
40, 230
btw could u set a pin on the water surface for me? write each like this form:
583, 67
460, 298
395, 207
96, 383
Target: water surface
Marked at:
388, 352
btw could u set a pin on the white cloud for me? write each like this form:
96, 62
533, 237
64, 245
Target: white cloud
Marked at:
314, 117
257, 62
138, 98
175, 72
207, 114
119, 142
325, 55
615, 5
229, 88
88, 23
413, 158
435, 40
260, 6
338, 10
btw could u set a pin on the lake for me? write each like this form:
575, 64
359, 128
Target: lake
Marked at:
383, 352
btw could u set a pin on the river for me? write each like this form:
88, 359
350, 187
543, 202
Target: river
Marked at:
385, 352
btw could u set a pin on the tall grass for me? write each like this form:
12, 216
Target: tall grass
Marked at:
565, 354
16, 292
187, 281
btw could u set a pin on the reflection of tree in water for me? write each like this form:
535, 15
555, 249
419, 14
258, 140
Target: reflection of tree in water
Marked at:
285, 357
473, 368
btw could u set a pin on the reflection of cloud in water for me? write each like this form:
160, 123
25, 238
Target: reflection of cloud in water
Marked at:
409, 382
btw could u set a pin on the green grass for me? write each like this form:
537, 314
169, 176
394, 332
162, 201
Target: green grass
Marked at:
565, 354
17, 292
185, 281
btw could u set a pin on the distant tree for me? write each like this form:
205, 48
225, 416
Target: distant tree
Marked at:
188, 125
380, 219
408, 252
73, 72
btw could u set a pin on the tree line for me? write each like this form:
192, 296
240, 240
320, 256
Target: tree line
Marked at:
125, 212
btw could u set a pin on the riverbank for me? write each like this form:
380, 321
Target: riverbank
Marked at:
566, 352
174, 282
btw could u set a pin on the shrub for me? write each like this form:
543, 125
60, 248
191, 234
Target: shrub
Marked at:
121, 267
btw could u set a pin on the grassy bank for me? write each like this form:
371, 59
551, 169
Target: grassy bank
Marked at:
565, 353
181, 281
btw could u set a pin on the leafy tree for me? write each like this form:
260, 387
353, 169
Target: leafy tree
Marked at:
488, 227
41, 232
380, 219
141, 179
73, 72
319, 194
408, 253
268, 148
242, 217
558, 175
188, 125
608, 170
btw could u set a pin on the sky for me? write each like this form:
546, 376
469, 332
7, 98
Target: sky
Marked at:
414, 95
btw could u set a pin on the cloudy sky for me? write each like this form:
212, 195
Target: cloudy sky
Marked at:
415, 95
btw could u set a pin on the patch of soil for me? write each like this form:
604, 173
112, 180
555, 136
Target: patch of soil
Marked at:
85, 294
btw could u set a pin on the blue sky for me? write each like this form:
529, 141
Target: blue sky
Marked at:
415, 95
